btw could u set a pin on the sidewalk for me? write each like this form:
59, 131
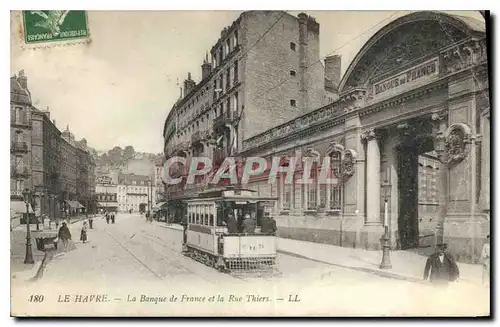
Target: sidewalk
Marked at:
20, 270
406, 265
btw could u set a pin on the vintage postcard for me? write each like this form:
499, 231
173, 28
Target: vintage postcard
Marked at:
256, 163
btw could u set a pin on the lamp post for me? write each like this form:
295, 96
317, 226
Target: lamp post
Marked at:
29, 254
440, 148
386, 246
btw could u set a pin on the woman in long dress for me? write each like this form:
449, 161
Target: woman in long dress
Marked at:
83, 234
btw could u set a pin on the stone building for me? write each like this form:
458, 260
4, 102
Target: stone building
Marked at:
20, 139
106, 193
416, 95
263, 70
46, 139
134, 190
45, 160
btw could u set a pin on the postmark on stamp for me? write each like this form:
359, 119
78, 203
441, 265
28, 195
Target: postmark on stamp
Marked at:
54, 25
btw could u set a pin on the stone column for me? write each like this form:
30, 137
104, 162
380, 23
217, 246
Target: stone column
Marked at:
372, 178
440, 148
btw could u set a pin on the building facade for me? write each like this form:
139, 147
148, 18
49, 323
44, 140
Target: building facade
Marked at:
264, 70
45, 161
20, 136
46, 139
135, 190
410, 128
106, 193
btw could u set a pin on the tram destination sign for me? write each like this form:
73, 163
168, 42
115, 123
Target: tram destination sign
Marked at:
410, 77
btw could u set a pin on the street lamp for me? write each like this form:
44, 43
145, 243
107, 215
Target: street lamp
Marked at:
386, 247
29, 254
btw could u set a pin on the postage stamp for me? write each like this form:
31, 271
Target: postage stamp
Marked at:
42, 26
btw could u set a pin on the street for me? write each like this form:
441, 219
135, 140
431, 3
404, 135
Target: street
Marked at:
134, 259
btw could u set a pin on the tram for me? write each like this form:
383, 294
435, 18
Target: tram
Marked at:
208, 238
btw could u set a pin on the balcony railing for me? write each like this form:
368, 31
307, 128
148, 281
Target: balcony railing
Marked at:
221, 121
19, 147
22, 173
16, 194
20, 122
219, 156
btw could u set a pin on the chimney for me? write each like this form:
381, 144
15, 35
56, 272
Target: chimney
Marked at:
206, 68
47, 112
54, 122
22, 79
332, 70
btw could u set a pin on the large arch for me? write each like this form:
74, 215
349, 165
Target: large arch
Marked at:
403, 40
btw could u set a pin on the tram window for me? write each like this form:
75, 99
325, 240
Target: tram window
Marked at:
197, 218
189, 218
205, 219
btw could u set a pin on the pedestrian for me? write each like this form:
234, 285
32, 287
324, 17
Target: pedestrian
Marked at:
268, 225
441, 267
83, 233
231, 225
113, 217
107, 217
64, 235
91, 221
248, 225
485, 258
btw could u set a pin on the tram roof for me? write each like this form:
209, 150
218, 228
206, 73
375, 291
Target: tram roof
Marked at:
231, 194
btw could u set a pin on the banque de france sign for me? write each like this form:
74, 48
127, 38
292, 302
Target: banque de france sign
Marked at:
410, 77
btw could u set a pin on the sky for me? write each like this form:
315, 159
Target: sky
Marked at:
118, 90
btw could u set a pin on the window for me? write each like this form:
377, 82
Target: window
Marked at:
293, 103
336, 190
228, 45
292, 73
292, 46
228, 78
235, 38
235, 101
228, 107
19, 115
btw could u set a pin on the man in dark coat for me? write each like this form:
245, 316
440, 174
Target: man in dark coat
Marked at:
268, 225
441, 266
232, 227
248, 225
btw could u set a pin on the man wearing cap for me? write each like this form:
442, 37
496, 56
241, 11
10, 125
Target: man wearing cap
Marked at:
441, 266
485, 258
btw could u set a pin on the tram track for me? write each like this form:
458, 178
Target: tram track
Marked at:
173, 262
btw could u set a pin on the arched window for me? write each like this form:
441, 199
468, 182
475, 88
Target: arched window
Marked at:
336, 189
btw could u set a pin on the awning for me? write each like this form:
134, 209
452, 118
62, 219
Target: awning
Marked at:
80, 206
159, 205
19, 207
108, 204
72, 204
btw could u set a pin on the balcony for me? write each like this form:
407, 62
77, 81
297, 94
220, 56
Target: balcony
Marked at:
221, 121
20, 173
199, 137
21, 122
16, 195
18, 147
182, 146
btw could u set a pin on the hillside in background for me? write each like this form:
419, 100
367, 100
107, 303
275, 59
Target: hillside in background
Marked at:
126, 160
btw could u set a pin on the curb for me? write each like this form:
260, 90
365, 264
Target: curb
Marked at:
362, 269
